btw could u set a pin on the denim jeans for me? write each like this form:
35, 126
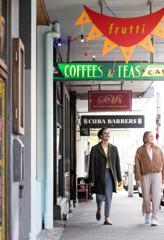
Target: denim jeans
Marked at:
108, 194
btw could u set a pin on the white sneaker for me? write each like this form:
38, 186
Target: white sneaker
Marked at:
154, 222
147, 218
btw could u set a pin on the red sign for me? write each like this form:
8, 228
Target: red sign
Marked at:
109, 101
123, 32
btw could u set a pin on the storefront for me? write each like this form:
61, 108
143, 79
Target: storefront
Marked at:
3, 80
3, 77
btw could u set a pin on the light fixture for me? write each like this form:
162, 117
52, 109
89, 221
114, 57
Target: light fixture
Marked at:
93, 57
59, 42
82, 38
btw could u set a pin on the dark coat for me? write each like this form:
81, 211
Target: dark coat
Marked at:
97, 167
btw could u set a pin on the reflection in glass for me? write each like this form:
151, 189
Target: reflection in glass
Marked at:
59, 141
0, 161
2, 28
59, 156
1, 7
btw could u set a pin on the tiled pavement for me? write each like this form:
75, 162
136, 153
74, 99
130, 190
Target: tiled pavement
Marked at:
128, 222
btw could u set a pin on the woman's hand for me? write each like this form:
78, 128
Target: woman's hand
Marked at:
119, 184
138, 183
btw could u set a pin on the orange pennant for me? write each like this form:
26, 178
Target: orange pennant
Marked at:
127, 52
147, 44
83, 19
108, 46
122, 32
159, 31
94, 33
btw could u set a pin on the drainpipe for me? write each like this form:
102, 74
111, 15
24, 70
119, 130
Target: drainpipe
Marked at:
49, 39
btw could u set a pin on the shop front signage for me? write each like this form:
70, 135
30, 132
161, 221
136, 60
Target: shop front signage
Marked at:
112, 121
84, 132
109, 101
125, 33
108, 71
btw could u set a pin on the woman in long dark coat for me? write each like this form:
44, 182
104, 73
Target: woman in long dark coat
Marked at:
104, 172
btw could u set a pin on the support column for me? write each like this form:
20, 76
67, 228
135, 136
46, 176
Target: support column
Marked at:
48, 216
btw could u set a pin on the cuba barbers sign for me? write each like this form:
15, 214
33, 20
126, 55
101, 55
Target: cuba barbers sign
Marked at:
112, 121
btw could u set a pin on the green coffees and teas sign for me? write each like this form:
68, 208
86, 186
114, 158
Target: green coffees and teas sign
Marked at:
108, 71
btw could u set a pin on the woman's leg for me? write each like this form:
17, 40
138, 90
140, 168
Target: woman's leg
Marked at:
156, 194
108, 192
146, 193
99, 199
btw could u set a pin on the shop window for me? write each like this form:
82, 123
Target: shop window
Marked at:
59, 135
67, 134
59, 159
18, 86
0, 161
3, 77
2, 29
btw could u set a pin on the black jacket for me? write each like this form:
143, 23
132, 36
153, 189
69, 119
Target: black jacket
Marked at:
97, 167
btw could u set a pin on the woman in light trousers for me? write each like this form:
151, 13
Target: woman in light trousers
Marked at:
149, 175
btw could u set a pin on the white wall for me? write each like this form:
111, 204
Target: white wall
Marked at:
81, 148
36, 218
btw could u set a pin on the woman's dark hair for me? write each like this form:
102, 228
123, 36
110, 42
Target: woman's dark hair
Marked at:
145, 136
100, 132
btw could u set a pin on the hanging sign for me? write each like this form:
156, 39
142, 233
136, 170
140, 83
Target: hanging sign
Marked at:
123, 32
112, 121
109, 101
108, 71
84, 132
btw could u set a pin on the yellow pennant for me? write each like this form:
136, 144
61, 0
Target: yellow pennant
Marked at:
159, 31
127, 52
147, 44
108, 46
94, 33
83, 19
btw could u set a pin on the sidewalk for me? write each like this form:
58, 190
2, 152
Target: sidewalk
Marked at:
128, 222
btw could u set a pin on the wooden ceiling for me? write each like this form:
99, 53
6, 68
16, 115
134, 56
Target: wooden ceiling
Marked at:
42, 15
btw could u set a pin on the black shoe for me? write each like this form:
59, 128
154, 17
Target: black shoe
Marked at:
98, 215
107, 223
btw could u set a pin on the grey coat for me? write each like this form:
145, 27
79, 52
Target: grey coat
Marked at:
97, 167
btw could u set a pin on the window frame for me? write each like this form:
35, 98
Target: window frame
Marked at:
18, 87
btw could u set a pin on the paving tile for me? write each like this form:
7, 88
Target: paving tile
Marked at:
126, 215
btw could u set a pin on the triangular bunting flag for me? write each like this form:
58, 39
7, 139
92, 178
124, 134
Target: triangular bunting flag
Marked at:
122, 32
127, 52
83, 19
108, 46
147, 44
94, 33
159, 31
